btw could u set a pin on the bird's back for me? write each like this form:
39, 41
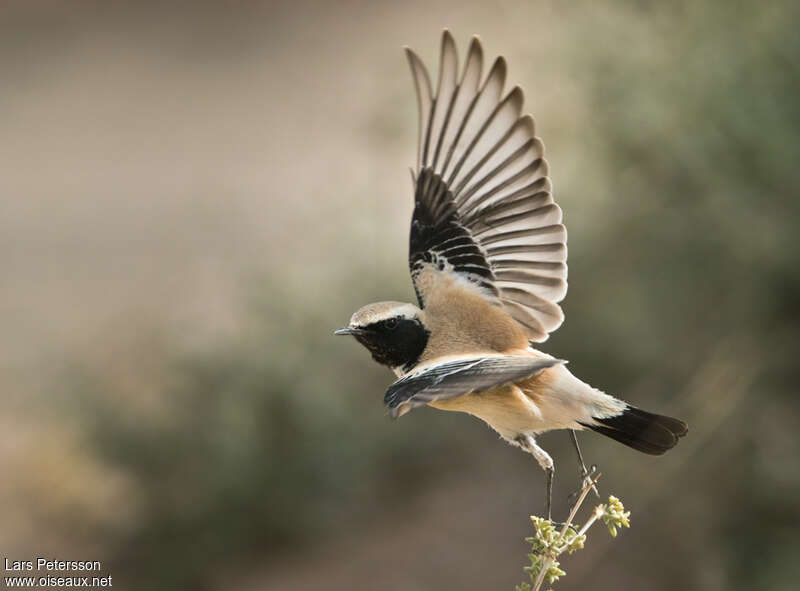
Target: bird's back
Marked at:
462, 321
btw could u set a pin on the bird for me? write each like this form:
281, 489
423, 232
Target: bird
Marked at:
488, 262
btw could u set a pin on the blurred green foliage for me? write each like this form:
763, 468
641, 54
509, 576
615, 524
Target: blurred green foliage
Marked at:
259, 447
684, 258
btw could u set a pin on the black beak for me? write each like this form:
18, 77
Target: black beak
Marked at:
352, 331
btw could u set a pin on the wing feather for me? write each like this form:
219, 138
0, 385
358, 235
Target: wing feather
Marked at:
477, 118
483, 204
422, 85
463, 101
455, 377
447, 91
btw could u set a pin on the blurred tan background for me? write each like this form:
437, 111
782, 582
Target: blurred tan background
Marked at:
193, 195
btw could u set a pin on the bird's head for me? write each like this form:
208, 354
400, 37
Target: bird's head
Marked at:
393, 332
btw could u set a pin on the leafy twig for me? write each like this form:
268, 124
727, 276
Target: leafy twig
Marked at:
548, 543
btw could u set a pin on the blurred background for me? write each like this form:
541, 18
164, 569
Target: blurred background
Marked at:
193, 195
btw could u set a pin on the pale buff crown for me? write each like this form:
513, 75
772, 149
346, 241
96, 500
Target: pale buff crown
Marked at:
378, 311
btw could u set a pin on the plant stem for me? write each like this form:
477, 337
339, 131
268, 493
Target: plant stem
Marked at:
548, 560
578, 503
542, 572
598, 513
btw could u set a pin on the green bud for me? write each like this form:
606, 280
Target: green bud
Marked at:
554, 573
576, 543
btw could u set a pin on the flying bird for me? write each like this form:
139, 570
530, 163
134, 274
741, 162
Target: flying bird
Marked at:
488, 260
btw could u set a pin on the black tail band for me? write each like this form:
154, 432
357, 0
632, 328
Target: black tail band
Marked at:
643, 431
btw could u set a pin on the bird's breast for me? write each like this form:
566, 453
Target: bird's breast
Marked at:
507, 409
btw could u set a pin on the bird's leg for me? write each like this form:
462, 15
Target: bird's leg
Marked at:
528, 443
586, 477
549, 477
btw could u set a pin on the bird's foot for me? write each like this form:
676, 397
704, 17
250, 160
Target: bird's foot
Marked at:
587, 480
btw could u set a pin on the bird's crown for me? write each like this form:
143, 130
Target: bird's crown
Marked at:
381, 311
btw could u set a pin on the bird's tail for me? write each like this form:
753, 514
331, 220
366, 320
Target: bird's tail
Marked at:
644, 431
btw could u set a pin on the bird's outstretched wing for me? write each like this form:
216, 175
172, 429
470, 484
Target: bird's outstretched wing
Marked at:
483, 208
454, 377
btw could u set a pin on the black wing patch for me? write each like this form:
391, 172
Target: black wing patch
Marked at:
461, 376
438, 236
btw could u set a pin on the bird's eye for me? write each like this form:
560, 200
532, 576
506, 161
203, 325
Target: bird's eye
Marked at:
391, 323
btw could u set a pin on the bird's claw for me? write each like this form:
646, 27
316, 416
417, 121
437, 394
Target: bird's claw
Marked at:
587, 480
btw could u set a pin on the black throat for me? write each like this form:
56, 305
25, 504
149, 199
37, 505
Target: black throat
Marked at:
397, 342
